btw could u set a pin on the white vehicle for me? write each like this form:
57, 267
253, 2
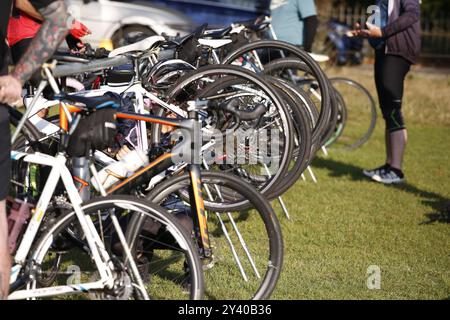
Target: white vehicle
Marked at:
114, 20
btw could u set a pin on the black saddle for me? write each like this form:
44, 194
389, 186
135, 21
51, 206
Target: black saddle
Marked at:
91, 103
196, 34
257, 24
218, 34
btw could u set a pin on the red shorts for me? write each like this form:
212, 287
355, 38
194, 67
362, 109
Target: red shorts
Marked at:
23, 27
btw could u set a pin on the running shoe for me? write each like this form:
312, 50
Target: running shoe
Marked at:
380, 170
389, 176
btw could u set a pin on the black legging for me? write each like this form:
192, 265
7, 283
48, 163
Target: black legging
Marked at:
390, 72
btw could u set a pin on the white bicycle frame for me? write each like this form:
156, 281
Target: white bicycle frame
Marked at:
96, 246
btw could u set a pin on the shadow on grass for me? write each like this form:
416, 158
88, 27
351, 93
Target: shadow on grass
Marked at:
438, 203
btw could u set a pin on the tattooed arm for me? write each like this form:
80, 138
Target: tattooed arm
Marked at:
52, 32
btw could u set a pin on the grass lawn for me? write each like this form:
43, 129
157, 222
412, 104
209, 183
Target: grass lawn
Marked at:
346, 223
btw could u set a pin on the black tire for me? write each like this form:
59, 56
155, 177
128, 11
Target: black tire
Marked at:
290, 65
300, 131
63, 236
360, 110
296, 54
233, 73
341, 120
29, 135
255, 218
302, 139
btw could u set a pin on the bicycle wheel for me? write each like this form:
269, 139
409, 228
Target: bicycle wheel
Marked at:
257, 55
360, 111
302, 138
219, 84
246, 239
29, 136
173, 271
301, 133
341, 119
297, 73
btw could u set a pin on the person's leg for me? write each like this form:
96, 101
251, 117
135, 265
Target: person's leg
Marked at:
390, 82
394, 73
387, 142
378, 72
5, 260
309, 32
5, 138
398, 140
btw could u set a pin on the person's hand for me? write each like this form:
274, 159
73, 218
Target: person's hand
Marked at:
357, 32
372, 31
10, 90
79, 30
81, 48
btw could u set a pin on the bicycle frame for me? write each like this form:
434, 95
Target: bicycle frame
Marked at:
98, 251
164, 162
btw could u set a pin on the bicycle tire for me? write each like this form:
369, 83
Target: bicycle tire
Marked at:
304, 57
61, 225
372, 109
268, 90
265, 231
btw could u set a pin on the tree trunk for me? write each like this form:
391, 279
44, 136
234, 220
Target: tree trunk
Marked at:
324, 8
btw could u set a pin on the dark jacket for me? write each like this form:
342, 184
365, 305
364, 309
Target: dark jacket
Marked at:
402, 32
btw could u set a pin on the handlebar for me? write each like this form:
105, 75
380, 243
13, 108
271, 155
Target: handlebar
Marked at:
96, 65
232, 105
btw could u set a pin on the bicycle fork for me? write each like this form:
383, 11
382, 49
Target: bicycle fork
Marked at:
196, 195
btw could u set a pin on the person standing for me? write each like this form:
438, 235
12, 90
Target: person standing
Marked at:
50, 35
295, 21
396, 42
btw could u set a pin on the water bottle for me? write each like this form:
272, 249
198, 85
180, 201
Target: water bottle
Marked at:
121, 169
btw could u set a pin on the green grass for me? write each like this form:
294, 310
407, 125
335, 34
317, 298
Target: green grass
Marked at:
345, 223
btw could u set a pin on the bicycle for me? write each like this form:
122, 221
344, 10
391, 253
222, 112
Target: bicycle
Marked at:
118, 278
249, 198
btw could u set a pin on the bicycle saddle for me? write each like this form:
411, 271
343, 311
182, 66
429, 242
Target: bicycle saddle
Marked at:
197, 34
218, 34
258, 24
141, 46
91, 103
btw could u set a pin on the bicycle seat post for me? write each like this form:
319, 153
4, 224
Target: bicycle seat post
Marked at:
196, 133
137, 75
80, 172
